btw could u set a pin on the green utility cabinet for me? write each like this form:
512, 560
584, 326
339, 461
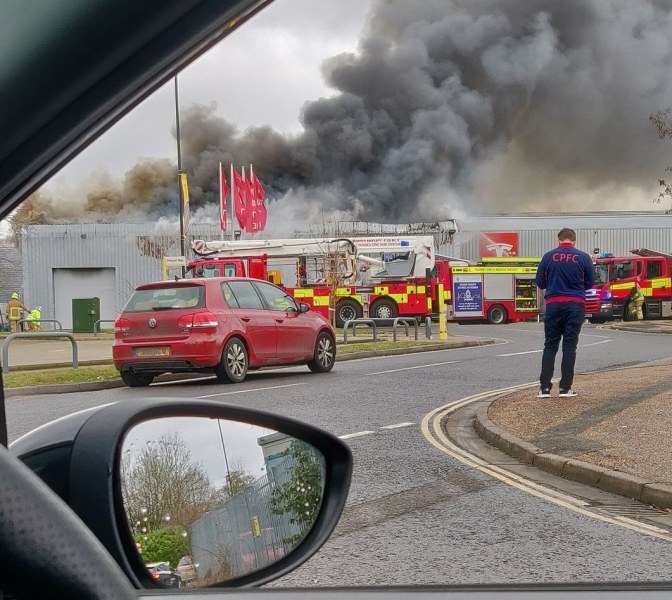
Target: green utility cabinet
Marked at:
85, 312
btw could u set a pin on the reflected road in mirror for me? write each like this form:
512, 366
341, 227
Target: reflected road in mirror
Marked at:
208, 500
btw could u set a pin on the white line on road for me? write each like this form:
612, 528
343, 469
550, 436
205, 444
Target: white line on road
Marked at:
354, 435
245, 391
398, 425
538, 351
519, 353
450, 362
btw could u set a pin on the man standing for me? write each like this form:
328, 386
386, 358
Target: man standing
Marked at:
565, 273
13, 310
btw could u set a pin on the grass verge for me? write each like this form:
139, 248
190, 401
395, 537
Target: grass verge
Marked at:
107, 372
60, 376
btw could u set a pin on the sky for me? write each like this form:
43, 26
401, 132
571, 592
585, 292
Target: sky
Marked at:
281, 49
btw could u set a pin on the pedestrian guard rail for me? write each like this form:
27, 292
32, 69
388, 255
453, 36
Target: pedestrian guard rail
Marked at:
38, 335
376, 323
40, 321
96, 325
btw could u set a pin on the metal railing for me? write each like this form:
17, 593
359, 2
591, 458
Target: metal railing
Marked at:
405, 321
354, 323
96, 328
376, 323
40, 321
38, 335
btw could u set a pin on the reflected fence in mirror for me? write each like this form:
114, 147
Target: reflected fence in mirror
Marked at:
210, 500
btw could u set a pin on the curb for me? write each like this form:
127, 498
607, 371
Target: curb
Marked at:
664, 329
644, 490
96, 386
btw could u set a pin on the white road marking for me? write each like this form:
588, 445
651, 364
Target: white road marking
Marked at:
519, 353
354, 435
245, 391
607, 341
398, 425
595, 343
450, 362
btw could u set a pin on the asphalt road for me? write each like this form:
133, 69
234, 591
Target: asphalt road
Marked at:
415, 515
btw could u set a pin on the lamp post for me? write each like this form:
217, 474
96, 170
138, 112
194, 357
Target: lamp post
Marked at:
179, 171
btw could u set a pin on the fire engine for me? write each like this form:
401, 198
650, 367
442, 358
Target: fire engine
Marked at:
617, 275
378, 277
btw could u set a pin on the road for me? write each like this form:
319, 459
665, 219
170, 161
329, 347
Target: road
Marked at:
415, 515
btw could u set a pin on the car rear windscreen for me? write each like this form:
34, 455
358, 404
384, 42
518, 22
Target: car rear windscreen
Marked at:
167, 298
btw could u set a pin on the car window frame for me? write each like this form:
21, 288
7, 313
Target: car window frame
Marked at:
259, 297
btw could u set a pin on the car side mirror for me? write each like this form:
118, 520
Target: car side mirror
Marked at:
303, 307
194, 493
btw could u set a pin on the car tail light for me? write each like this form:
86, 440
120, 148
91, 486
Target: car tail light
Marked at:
121, 325
202, 320
155, 576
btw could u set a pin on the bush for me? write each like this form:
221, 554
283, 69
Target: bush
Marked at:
165, 544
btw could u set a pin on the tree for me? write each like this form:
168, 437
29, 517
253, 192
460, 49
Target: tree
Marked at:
662, 121
162, 486
301, 496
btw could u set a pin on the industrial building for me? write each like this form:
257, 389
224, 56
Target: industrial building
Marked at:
62, 263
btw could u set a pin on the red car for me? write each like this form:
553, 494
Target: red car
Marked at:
222, 325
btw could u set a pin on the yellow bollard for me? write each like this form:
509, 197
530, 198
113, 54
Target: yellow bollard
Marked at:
443, 330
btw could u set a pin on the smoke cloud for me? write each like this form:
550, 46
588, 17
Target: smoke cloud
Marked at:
449, 107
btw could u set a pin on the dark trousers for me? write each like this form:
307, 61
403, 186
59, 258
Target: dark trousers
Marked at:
562, 320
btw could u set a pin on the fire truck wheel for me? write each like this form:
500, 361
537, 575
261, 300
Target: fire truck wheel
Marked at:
497, 315
235, 362
325, 354
347, 310
132, 379
384, 309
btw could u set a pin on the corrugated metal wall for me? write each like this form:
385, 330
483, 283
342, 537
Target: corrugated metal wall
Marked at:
134, 251
536, 242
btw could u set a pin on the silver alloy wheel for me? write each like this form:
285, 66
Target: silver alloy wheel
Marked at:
384, 312
325, 351
235, 359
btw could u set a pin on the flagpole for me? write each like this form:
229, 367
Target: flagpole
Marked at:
233, 210
221, 199
179, 171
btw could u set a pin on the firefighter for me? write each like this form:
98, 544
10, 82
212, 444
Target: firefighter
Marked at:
634, 303
13, 311
33, 319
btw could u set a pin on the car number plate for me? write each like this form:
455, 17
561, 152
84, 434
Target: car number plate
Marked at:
153, 351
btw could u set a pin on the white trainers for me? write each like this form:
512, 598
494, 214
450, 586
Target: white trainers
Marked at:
544, 393
567, 394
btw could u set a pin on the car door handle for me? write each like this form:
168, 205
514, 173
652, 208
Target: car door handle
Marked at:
246, 319
279, 320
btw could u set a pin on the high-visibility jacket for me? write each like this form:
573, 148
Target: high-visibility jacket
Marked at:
34, 315
14, 308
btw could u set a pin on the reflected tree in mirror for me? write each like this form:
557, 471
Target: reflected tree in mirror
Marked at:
213, 500
300, 497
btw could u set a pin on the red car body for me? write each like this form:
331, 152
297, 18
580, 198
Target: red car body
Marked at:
219, 325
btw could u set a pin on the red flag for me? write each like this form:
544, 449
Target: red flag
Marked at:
259, 194
223, 193
239, 198
251, 225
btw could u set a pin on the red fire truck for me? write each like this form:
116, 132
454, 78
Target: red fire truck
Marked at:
617, 275
379, 277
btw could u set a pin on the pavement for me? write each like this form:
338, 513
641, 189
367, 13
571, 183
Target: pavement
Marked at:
615, 435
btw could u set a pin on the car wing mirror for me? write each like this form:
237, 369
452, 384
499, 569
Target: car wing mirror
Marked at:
196, 493
303, 307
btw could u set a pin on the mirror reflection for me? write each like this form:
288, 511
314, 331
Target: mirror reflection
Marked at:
208, 500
